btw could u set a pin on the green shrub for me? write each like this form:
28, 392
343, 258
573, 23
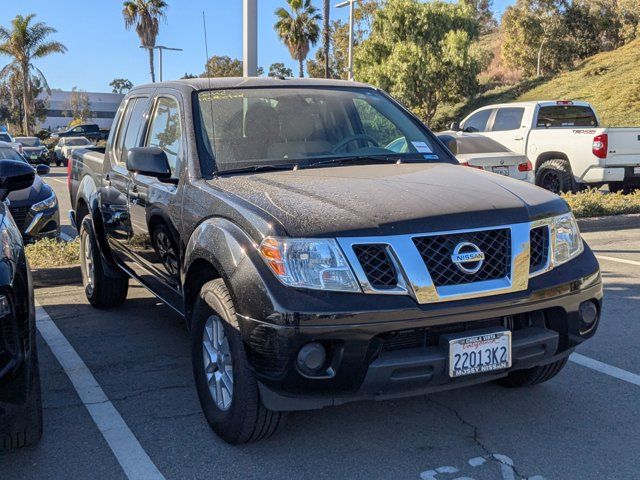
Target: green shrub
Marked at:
48, 253
594, 203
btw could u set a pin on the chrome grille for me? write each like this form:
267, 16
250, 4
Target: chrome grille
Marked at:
539, 241
436, 251
377, 266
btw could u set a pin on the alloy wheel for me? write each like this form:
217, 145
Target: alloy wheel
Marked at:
167, 253
218, 364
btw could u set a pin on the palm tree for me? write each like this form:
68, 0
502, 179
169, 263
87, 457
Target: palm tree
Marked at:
298, 29
26, 42
326, 36
145, 15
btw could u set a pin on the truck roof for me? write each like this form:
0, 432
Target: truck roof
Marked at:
244, 82
542, 103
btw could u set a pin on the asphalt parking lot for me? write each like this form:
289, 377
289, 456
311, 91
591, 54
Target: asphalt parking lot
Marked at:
133, 408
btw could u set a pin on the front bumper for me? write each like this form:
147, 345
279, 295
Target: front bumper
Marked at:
45, 224
372, 358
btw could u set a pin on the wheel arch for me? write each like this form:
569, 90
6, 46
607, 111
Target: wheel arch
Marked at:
214, 250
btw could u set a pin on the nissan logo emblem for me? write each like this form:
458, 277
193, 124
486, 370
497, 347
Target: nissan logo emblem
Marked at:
468, 257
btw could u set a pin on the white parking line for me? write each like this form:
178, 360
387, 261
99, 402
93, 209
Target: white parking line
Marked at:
64, 182
610, 370
132, 458
619, 260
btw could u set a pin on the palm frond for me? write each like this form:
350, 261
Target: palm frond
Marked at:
45, 49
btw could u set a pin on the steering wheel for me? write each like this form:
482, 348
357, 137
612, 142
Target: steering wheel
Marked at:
354, 138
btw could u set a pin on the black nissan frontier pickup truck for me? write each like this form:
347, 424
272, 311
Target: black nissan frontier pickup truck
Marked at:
316, 265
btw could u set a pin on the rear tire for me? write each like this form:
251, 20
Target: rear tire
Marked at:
555, 175
533, 376
243, 418
101, 290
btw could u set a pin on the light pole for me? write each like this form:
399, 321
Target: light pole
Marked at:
350, 4
160, 48
249, 38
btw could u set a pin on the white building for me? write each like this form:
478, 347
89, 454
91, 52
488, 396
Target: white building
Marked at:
103, 106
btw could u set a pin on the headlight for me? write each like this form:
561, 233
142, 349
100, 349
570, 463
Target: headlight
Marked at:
567, 242
45, 204
309, 263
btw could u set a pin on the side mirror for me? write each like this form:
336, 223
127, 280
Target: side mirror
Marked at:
15, 175
151, 161
450, 142
43, 169
454, 127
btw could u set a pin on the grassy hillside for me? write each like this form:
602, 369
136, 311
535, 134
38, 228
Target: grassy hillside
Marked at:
609, 80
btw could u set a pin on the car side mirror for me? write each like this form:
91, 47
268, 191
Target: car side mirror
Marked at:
449, 142
15, 175
151, 161
42, 169
454, 127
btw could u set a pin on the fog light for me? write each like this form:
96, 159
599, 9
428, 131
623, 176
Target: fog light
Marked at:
588, 313
311, 357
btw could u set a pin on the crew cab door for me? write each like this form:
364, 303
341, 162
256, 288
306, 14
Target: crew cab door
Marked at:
114, 198
154, 206
508, 126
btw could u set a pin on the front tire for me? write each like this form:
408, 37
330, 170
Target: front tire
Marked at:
101, 290
226, 385
555, 175
533, 376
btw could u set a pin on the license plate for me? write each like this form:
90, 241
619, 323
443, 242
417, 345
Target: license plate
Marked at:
501, 171
636, 170
479, 354
34, 157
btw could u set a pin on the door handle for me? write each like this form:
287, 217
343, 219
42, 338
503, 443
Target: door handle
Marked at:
519, 138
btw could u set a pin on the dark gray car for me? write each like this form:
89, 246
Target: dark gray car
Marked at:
35, 209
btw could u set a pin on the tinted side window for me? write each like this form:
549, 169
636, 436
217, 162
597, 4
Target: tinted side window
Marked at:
165, 131
566, 116
508, 119
130, 127
477, 122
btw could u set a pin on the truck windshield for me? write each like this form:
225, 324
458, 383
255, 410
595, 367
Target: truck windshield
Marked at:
559, 116
260, 127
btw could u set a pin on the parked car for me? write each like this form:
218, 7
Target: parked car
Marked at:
20, 398
35, 209
90, 131
66, 145
6, 138
34, 150
565, 142
477, 151
313, 265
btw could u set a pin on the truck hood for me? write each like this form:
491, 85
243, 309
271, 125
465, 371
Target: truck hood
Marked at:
390, 199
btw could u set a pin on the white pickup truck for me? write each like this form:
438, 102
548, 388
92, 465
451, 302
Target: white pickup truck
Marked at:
565, 143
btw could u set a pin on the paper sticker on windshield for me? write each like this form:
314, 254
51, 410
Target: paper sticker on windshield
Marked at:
422, 147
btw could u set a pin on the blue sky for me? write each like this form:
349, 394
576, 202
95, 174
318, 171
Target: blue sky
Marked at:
100, 49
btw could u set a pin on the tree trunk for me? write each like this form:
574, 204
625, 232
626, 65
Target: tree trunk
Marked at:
326, 38
301, 67
151, 66
26, 99
539, 69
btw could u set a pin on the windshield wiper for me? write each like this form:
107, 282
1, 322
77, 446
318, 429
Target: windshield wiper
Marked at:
258, 168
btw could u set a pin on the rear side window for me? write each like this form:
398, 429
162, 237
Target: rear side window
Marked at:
477, 122
4, 137
130, 126
478, 144
558, 116
165, 131
509, 118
